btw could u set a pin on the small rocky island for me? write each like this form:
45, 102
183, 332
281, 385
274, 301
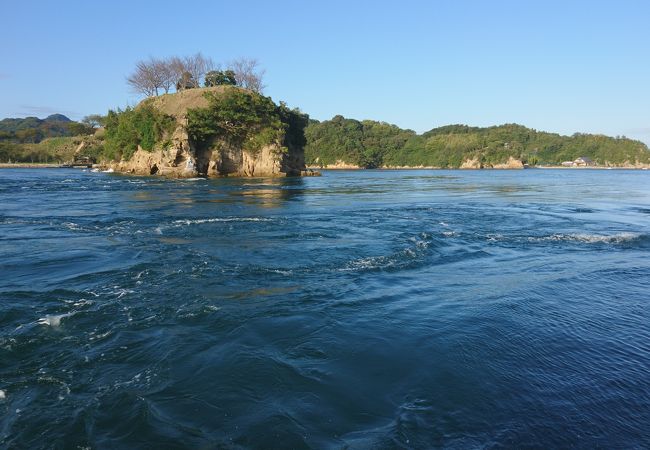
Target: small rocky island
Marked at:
212, 131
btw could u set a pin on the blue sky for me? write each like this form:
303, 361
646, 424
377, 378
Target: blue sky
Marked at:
561, 66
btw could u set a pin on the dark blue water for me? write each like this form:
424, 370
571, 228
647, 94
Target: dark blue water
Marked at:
369, 309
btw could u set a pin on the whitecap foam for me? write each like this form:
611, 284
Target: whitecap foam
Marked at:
281, 272
139, 275
380, 262
368, 263
65, 391
219, 219
71, 226
3, 395
94, 337
122, 292
80, 302
54, 320
586, 238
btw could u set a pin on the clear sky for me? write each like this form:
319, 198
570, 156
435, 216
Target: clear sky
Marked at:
561, 66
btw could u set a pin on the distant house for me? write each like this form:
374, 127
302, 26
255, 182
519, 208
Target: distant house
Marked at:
568, 164
583, 161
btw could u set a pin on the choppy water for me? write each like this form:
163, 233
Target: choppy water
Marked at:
398, 309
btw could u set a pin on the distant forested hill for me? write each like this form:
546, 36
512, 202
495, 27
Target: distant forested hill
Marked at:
31, 139
33, 130
377, 144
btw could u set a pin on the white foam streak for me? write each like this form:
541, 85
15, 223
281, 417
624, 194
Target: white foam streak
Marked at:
220, 219
54, 320
592, 238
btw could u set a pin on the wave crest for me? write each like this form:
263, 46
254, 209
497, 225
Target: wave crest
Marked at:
586, 238
220, 219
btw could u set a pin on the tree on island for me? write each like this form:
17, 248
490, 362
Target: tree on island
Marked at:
155, 75
187, 72
186, 81
147, 78
248, 74
94, 120
220, 78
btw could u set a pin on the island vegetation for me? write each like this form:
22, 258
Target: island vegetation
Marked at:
371, 144
248, 120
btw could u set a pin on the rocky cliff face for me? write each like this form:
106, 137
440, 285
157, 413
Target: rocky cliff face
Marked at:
471, 164
179, 157
474, 163
512, 163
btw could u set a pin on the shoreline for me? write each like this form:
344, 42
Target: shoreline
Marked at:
29, 166
350, 168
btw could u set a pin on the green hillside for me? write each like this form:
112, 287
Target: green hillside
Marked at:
34, 140
375, 144
33, 130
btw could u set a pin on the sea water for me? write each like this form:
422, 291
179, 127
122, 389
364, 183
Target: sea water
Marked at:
360, 309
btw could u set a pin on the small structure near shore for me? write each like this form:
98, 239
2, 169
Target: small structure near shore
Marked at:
582, 161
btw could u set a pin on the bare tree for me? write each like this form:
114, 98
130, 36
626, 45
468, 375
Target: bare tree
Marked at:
248, 74
187, 72
165, 73
176, 67
156, 74
146, 79
198, 66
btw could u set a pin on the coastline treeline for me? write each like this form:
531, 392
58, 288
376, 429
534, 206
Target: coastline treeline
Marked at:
373, 144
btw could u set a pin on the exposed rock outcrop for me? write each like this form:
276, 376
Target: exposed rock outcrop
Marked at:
341, 165
475, 163
222, 159
471, 164
512, 163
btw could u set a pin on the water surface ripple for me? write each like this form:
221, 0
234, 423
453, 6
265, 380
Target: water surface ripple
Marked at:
361, 309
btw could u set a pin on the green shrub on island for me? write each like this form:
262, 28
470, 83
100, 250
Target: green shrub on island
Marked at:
245, 119
220, 78
295, 122
127, 129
